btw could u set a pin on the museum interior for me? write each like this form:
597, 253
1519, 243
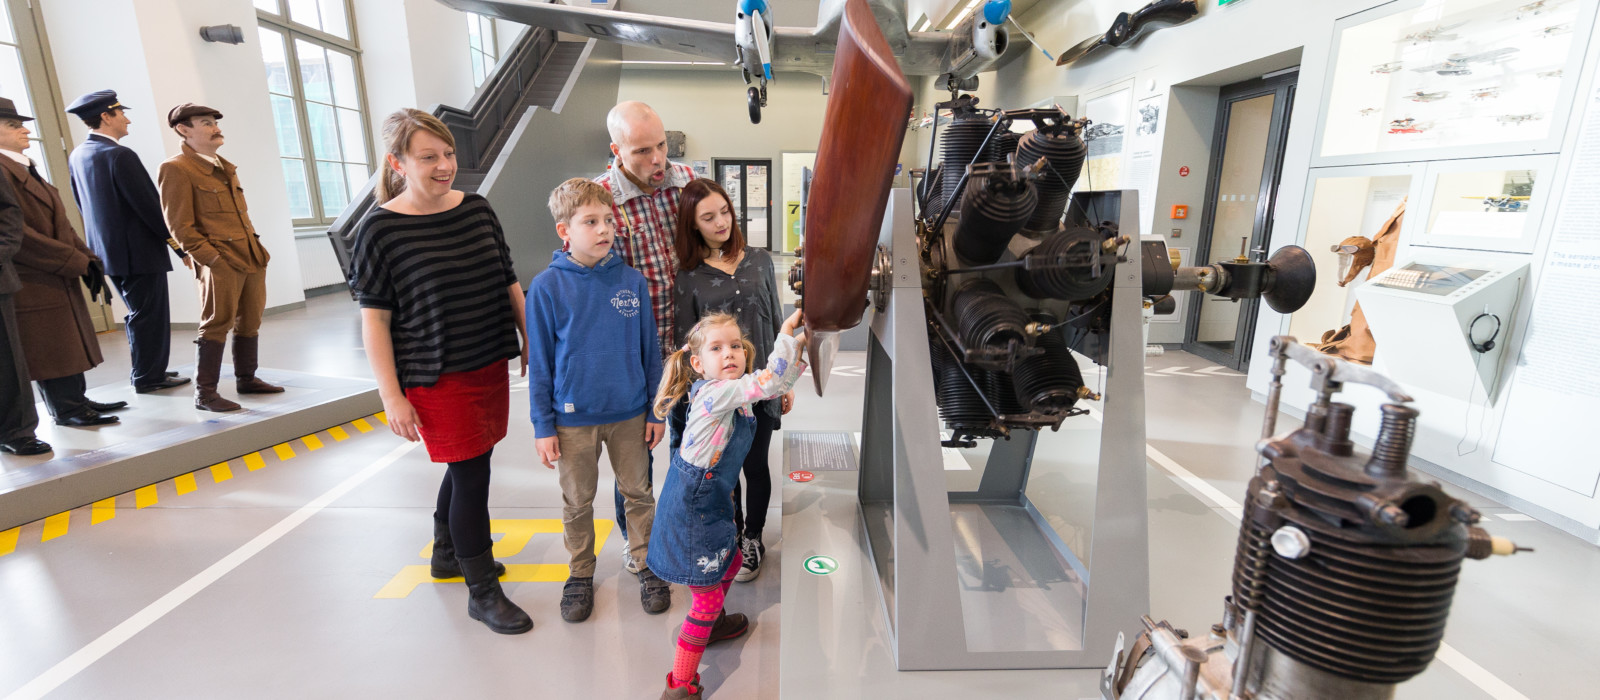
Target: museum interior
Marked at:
1142, 349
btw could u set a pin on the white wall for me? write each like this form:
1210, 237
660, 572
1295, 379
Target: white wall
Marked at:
151, 53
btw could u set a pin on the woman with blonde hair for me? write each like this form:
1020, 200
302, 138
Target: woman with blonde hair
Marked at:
441, 313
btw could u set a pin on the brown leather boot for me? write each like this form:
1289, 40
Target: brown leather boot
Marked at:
244, 367
208, 368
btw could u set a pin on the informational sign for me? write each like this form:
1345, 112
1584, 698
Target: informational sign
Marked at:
819, 451
801, 477
1555, 392
821, 565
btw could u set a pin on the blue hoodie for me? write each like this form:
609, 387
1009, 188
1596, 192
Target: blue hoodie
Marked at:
593, 356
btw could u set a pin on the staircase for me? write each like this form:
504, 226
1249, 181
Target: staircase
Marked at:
532, 74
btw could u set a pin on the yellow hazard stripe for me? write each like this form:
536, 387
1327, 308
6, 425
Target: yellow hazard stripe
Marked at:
56, 526
144, 496
285, 452
221, 472
382, 417
185, 483
8, 541
362, 425
254, 461
312, 442
103, 510
338, 433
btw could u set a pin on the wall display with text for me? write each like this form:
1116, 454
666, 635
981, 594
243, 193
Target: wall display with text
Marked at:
1493, 204
1441, 74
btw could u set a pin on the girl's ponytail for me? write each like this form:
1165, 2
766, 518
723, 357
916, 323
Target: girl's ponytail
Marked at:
676, 377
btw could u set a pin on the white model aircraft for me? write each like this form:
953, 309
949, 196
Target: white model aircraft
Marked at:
758, 48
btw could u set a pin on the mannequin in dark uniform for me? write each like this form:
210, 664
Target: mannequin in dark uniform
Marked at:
122, 220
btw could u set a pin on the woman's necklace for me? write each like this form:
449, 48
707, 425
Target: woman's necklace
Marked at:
719, 253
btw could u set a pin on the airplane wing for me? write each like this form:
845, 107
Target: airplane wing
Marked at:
710, 40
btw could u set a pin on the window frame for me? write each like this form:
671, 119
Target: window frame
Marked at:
293, 32
493, 43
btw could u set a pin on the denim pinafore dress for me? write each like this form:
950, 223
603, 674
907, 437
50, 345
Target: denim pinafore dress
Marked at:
693, 539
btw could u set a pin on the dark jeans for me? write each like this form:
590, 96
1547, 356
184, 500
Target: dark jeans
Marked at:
149, 325
18, 417
751, 517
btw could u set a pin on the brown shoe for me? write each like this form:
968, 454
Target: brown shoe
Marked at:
245, 359
728, 627
208, 368
687, 691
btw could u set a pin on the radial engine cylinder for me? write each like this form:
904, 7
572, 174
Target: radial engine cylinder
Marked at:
1345, 570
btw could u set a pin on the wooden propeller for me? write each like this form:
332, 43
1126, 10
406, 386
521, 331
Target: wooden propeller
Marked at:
862, 131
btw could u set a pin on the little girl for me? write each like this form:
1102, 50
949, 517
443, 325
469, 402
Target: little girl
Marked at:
694, 542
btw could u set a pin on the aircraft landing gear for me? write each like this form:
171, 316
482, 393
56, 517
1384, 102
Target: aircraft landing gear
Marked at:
757, 97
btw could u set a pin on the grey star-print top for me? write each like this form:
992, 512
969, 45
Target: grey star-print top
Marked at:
750, 294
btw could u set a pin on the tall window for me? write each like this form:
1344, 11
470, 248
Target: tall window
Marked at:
483, 45
314, 77
14, 85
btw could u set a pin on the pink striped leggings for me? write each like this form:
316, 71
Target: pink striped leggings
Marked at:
703, 613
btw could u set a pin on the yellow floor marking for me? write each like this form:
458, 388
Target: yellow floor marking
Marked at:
312, 442
362, 425
515, 535
254, 461
56, 526
144, 496
284, 451
103, 510
410, 577
221, 472
8, 541
185, 483
382, 417
338, 433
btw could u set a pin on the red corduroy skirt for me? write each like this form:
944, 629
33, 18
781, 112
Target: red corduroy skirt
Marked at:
464, 413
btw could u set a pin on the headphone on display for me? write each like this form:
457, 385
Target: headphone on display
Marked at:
1486, 345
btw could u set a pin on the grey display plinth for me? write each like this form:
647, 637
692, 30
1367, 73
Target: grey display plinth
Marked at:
162, 436
908, 511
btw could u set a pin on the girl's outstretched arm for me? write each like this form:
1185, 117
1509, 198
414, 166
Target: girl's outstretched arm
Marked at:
783, 370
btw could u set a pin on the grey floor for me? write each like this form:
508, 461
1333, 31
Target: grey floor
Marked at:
298, 577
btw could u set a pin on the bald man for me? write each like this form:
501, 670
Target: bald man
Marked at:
644, 190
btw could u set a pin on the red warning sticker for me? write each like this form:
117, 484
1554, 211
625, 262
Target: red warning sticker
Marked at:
801, 477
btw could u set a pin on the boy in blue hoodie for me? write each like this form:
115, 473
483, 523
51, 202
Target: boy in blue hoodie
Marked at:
593, 364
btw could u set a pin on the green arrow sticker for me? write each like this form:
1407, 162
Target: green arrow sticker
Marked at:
821, 565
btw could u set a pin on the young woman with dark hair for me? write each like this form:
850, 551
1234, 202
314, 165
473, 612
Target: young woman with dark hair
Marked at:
718, 272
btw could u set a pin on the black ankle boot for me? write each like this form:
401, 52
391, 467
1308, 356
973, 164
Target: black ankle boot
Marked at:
487, 602
444, 554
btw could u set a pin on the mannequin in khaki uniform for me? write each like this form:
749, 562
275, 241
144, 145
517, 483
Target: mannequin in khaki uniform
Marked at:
203, 204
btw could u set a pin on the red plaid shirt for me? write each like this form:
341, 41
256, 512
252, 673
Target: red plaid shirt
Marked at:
646, 225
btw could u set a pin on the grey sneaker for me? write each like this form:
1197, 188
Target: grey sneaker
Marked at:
577, 598
628, 563
753, 550
655, 595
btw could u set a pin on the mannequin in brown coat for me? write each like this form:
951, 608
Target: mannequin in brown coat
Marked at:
1354, 342
52, 315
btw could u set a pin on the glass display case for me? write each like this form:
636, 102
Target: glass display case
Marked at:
1485, 204
1445, 75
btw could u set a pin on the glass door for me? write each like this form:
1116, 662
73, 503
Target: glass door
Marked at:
1246, 159
749, 186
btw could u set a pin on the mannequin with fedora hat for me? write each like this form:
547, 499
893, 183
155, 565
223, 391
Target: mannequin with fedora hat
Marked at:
18, 418
122, 220
53, 263
203, 204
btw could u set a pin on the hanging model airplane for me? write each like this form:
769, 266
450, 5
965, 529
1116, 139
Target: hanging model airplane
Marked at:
1130, 27
758, 48
1437, 33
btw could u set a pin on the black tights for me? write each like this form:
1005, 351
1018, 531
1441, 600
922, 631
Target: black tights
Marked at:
752, 518
464, 502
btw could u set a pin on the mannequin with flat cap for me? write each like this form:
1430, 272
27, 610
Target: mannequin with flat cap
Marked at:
203, 204
122, 220
53, 263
